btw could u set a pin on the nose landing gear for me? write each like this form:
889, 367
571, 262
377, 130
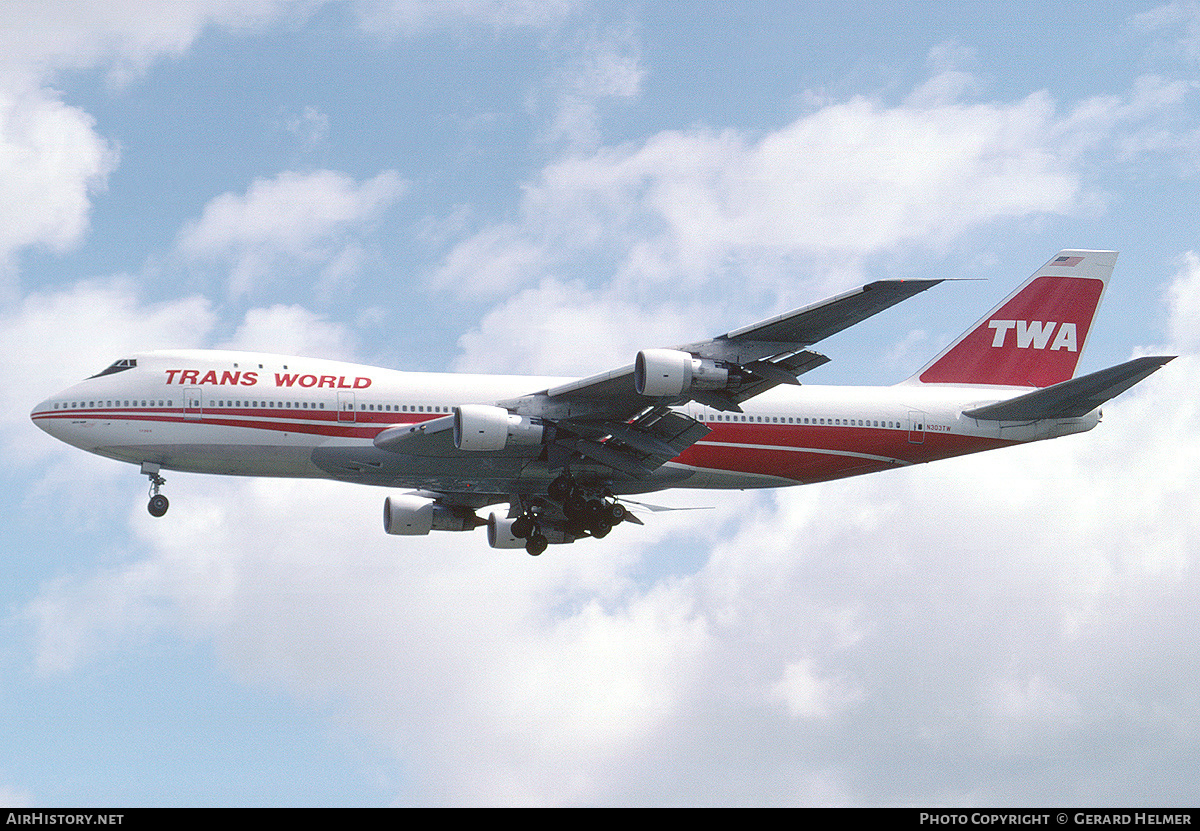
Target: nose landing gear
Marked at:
158, 503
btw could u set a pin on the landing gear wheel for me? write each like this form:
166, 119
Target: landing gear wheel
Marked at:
575, 506
536, 544
158, 503
560, 488
617, 513
523, 526
593, 509
600, 528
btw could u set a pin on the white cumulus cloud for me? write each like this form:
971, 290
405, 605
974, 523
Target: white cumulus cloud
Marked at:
312, 219
52, 162
835, 644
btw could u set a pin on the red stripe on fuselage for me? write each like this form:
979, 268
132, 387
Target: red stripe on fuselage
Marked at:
255, 419
808, 453
802, 453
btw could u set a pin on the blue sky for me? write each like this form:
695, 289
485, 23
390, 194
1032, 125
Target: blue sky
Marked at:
485, 185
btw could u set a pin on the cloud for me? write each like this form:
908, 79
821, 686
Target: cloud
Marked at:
1180, 19
52, 160
810, 695
688, 209
51, 163
292, 330
1184, 297
41, 37
15, 798
559, 328
838, 644
309, 127
55, 338
835, 644
314, 219
787, 217
598, 69
395, 18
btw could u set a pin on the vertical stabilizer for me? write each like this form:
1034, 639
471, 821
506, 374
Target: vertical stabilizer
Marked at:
1035, 337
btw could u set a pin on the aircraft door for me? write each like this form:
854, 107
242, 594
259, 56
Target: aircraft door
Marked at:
346, 411
193, 402
916, 427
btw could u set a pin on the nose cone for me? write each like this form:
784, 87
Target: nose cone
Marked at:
39, 411
41, 415
74, 428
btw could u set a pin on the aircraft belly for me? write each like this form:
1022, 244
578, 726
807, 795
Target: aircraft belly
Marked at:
206, 448
367, 464
230, 459
675, 475
496, 473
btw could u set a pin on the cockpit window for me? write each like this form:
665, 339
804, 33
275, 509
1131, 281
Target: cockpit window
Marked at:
118, 366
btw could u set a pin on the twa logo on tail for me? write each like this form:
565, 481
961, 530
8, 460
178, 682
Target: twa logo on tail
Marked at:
1035, 336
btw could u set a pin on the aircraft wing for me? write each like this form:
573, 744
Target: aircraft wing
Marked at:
760, 356
806, 326
623, 418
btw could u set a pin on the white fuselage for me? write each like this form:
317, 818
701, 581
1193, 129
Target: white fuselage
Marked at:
253, 414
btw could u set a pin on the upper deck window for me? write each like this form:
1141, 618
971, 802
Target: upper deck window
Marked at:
118, 366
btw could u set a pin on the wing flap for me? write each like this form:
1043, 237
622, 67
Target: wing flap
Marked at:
612, 457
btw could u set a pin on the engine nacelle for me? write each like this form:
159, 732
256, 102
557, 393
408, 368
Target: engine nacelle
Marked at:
666, 372
483, 427
500, 533
411, 516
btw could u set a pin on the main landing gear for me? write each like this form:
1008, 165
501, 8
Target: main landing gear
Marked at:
585, 513
595, 516
158, 503
526, 527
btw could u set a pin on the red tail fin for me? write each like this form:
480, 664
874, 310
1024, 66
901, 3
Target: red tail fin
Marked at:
1035, 337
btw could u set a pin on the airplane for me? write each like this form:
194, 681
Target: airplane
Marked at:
567, 453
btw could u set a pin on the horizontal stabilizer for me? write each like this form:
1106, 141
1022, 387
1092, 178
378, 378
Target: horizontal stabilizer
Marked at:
1074, 398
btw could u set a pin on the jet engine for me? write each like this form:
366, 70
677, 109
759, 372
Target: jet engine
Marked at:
411, 516
483, 427
500, 533
666, 372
